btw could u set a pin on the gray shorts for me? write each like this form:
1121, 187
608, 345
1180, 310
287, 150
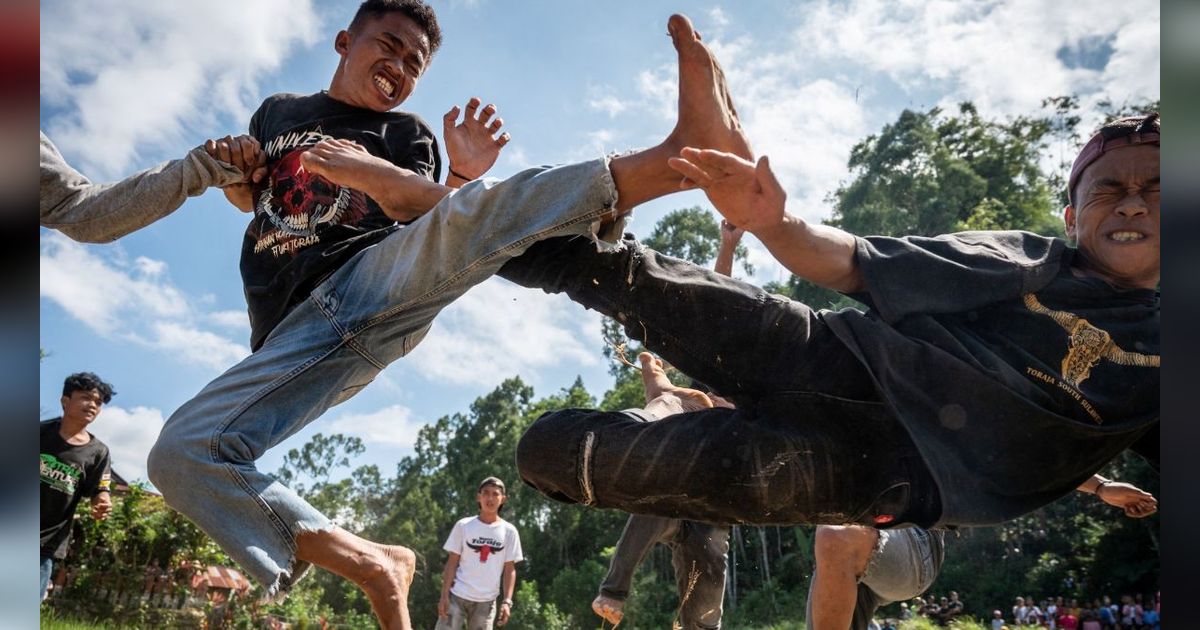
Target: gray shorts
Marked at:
904, 564
468, 614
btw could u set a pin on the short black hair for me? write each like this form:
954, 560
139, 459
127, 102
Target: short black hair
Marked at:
86, 381
416, 10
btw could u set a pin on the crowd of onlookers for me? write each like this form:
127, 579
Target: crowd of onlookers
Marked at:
1133, 612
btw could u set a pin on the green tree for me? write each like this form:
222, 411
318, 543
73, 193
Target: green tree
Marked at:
931, 173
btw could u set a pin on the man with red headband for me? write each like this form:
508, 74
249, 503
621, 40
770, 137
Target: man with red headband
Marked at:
919, 411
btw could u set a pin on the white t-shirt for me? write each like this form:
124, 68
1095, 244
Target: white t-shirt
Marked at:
483, 549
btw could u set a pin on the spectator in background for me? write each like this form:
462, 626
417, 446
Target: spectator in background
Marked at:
483, 552
1108, 615
1019, 611
997, 620
73, 464
1150, 618
1034, 616
1067, 619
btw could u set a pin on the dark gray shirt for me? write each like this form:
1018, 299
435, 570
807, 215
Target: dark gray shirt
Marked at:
1016, 379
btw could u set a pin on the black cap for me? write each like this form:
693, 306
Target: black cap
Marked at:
492, 481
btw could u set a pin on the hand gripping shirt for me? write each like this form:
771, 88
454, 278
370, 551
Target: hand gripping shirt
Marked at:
305, 227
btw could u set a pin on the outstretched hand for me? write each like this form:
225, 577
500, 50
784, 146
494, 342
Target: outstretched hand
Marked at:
472, 145
747, 194
1136, 503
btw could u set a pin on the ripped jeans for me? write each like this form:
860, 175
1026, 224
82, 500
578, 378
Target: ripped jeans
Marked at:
373, 310
809, 442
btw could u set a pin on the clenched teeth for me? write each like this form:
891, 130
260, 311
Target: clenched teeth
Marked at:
1126, 236
385, 85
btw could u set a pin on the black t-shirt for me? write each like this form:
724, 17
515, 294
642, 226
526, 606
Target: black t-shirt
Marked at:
1016, 379
68, 473
304, 227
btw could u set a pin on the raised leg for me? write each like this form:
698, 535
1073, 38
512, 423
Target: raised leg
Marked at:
731, 335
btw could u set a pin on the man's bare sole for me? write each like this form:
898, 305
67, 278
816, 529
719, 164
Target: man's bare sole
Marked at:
707, 119
608, 609
664, 398
707, 116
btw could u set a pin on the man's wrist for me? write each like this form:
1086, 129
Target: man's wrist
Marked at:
507, 602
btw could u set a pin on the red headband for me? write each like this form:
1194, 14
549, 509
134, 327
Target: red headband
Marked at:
1097, 147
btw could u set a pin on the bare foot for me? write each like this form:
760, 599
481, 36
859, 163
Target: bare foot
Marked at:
383, 572
707, 119
608, 609
664, 398
387, 587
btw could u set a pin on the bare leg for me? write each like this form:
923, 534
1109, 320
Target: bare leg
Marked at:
842, 554
707, 119
383, 572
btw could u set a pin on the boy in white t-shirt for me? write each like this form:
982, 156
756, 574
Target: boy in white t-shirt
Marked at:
483, 551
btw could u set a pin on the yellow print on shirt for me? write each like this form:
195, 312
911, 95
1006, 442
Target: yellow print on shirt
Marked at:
1088, 345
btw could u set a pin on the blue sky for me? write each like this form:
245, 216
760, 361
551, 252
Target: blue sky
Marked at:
126, 84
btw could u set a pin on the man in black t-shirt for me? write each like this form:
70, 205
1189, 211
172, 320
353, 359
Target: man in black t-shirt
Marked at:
337, 290
993, 373
73, 464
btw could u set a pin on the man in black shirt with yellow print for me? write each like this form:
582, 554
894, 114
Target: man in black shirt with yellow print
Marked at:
980, 353
74, 464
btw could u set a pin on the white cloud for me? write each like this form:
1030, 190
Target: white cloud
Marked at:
199, 346
392, 426
129, 434
806, 103
607, 103
237, 320
131, 301
717, 17
1001, 55
499, 330
136, 76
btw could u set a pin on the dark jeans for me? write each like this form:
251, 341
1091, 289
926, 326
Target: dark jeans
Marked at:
696, 549
810, 441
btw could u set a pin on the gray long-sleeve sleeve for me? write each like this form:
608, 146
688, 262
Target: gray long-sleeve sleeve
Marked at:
101, 213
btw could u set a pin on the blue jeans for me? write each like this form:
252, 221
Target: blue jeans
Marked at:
47, 568
373, 310
696, 548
